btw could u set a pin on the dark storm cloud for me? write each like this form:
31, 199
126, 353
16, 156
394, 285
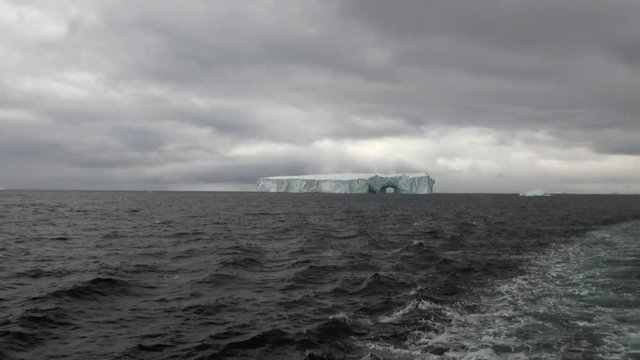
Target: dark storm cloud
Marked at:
165, 92
564, 26
561, 59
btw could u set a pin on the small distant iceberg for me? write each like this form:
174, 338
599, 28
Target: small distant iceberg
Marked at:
534, 193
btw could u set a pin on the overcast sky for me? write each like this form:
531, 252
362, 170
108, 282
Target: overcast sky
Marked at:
485, 95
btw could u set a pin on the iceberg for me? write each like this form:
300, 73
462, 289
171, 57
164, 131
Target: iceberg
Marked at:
349, 183
534, 193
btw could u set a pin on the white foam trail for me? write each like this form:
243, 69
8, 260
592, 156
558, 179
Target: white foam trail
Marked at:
415, 304
574, 300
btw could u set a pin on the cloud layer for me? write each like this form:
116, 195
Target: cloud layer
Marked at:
487, 95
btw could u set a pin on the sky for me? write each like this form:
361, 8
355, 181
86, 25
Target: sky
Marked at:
484, 95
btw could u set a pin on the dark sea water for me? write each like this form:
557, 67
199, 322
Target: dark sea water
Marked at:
169, 275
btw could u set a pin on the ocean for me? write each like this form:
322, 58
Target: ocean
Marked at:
187, 275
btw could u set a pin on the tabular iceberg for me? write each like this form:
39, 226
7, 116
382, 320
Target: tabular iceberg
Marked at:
534, 193
348, 183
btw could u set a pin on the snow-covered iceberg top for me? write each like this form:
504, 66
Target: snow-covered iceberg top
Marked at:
349, 183
534, 193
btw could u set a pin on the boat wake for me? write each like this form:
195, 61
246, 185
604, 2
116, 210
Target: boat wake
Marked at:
575, 301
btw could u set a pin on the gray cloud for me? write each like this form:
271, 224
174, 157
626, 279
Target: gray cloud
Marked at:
160, 94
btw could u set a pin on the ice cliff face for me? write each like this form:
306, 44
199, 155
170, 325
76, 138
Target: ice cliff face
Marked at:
348, 183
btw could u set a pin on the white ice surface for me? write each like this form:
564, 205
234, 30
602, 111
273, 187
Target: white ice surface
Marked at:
348, 183
341, 176
534, 193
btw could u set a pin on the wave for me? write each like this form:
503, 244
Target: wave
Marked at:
321, 341
245, 262
219, 279
378, 285
413, 306
335, 329
157, 350
273, 339
48, 318
15, 341
180, 234
208, 309
314, 275
38, 273
94, 289
59, 238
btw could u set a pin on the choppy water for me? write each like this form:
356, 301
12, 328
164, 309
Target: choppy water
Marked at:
130, 275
